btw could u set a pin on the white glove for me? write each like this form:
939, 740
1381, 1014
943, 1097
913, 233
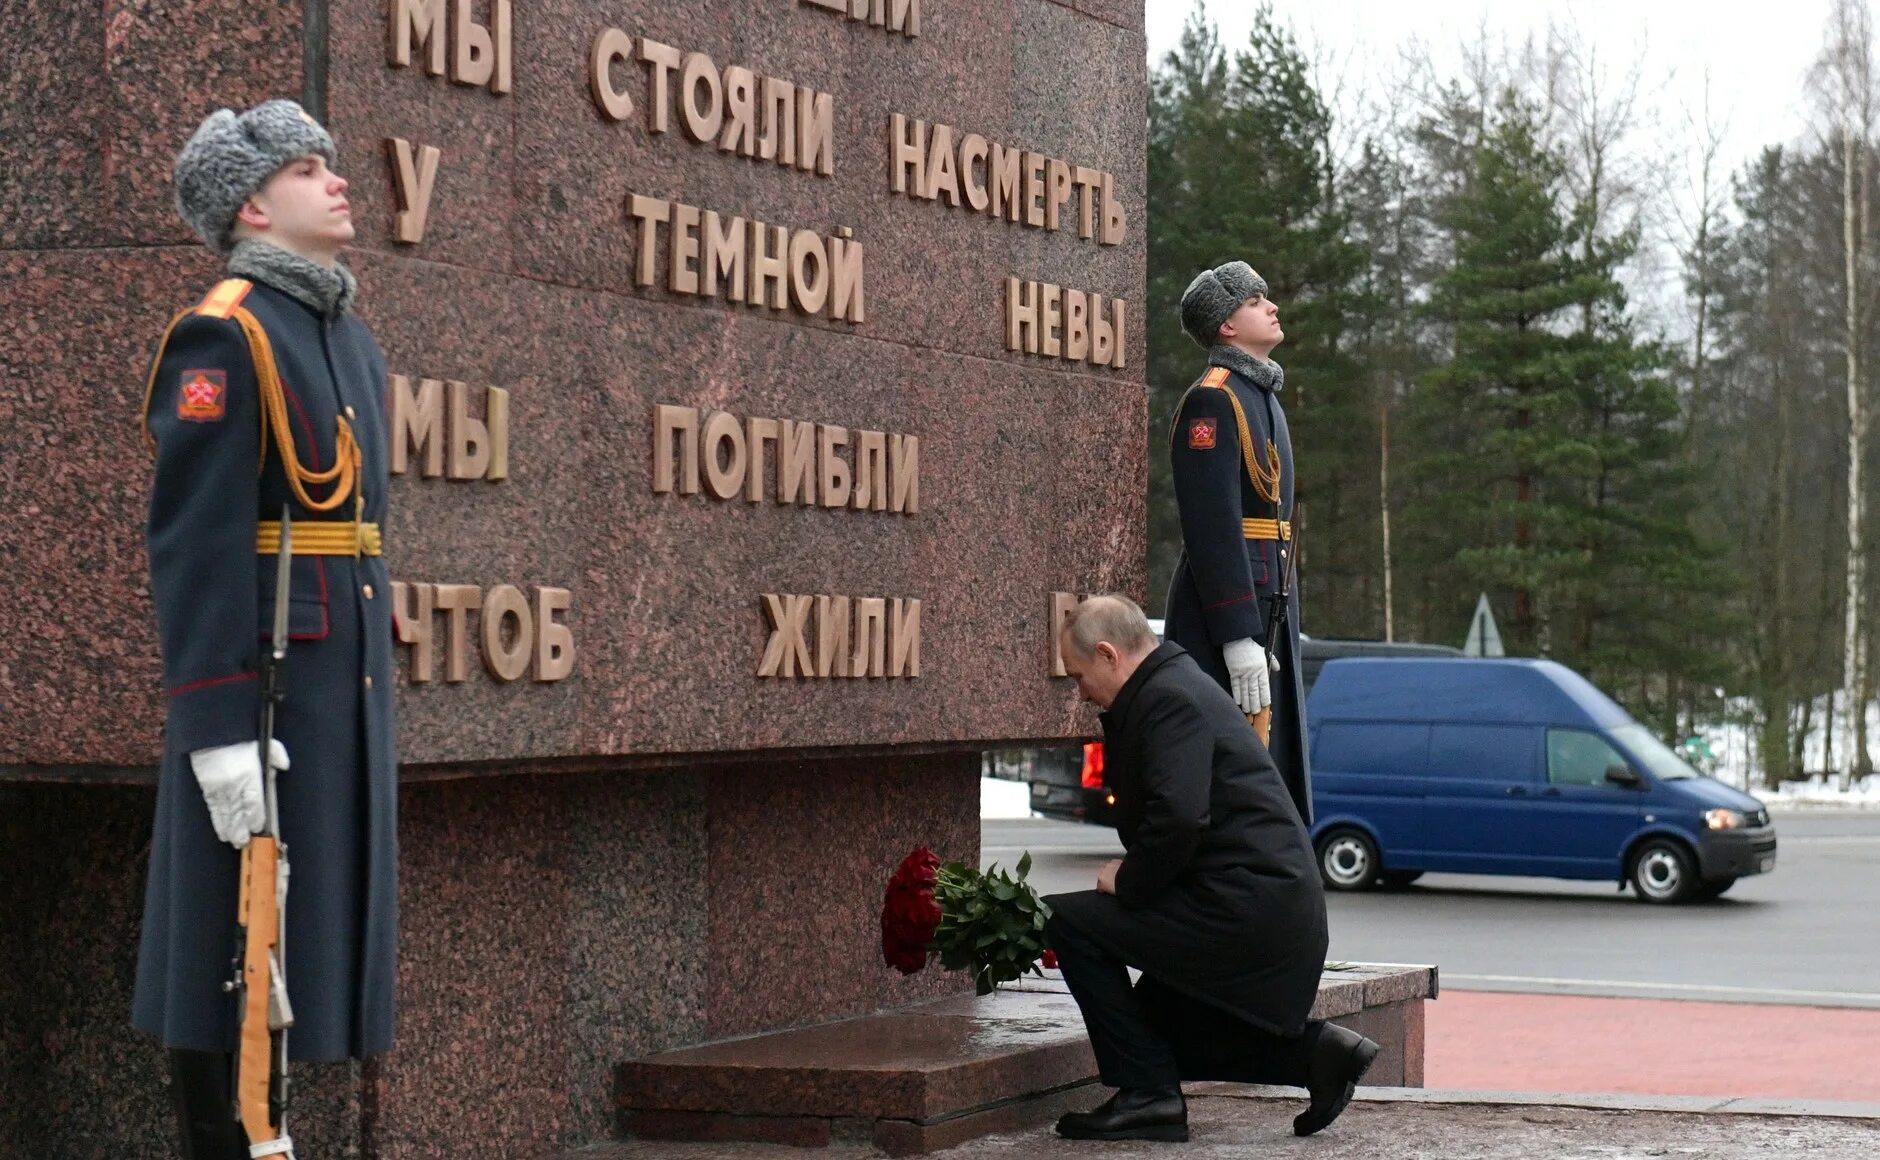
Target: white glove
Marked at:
1248, 674
230, 776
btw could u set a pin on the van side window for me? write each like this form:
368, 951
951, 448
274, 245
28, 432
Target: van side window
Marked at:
1506, 754
1390, 750
1578, 758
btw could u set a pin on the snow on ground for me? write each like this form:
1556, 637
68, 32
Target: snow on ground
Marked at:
1818, 793
999, 798
1735, 741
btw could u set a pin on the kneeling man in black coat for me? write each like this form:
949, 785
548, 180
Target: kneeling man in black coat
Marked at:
1217, 901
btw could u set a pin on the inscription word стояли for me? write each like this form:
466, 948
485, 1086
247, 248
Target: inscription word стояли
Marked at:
734, 108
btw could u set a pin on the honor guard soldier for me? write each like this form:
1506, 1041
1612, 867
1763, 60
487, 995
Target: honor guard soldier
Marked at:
268, 396
1232, 603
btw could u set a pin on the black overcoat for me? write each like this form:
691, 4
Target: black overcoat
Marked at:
1219, 894
1225, 585
214, 599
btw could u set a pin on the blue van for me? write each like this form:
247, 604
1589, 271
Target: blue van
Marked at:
1485, 766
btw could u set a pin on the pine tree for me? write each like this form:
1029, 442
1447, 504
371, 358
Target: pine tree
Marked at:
1551, 468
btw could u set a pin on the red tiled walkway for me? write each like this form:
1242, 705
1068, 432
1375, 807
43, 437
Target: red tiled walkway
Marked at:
1558, 1043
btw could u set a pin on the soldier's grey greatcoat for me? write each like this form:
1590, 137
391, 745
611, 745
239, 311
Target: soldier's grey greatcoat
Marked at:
1225, 584
214, 600
1218, 896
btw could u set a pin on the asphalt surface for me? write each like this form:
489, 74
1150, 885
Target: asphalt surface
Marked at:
1805, 935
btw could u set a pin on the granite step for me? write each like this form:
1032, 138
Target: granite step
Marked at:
927, 1077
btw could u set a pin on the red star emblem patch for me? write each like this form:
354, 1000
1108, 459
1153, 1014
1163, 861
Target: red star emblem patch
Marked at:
1201, 434
202, 396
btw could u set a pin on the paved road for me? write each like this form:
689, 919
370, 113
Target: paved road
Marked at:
1808, 934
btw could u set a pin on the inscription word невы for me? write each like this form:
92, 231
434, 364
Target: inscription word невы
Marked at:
1017, 185
901, 16
736, 109
861, 636
515, 639
1047, 320
434, 423
750, 261
811, 470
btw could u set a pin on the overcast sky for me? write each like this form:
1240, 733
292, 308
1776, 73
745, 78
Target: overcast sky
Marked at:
1757, 54
1752, 59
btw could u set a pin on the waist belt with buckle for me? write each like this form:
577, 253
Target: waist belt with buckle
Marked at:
1250, 529
320, 538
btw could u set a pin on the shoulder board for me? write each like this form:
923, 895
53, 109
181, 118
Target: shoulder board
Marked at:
1216, 377
226, 296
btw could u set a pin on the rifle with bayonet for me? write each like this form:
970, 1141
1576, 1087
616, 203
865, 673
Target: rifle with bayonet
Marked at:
260, 981
1276, 618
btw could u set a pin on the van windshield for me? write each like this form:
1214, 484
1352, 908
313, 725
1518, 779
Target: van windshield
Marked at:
1659, 761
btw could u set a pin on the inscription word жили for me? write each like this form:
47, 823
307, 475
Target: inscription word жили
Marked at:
433, 422
752, 262
811, 470
862, 636
901, 16
1018, 185
734, 108
517, 636
1048, 320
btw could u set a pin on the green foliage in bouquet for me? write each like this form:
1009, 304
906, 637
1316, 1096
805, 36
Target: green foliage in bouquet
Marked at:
991, 923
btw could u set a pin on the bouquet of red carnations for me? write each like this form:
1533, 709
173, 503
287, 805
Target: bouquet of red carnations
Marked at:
986, 922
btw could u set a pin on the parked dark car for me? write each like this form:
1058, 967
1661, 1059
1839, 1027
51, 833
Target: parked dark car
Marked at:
1067, 781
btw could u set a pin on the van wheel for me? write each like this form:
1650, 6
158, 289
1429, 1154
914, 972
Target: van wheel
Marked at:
1348, 860
1662, 872
1398, 879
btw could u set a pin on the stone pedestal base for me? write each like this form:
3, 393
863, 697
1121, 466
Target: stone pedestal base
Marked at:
930, 1076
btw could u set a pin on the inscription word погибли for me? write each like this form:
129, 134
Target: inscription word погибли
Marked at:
811, 469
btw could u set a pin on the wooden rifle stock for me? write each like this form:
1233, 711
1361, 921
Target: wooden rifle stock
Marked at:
256, 1087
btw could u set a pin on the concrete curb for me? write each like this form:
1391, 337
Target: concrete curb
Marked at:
1683, 1105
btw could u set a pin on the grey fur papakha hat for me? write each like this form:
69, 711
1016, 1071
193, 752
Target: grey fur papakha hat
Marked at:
231, 156
1212, 298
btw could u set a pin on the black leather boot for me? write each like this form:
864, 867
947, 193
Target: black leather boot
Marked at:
1338, 1060
205, 1111
1131, 1114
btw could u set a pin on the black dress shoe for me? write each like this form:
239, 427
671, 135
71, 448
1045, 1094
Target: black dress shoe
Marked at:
1131, 1114
1340, 1057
